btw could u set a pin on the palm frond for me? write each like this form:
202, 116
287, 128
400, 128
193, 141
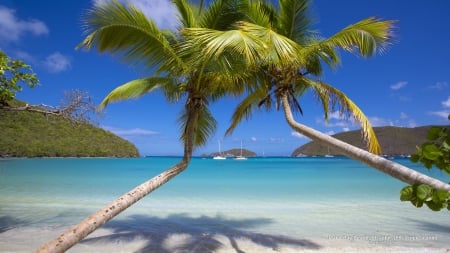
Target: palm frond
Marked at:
261, 13
366, 36
246, 108
186, 11
294, 103
294, 19
214, 43
220, 85
174, 90
312, 54
203, 124
134, 89
115, 28
222, 14
336, 98
279, 49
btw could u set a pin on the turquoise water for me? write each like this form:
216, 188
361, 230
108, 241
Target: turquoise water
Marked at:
299, 202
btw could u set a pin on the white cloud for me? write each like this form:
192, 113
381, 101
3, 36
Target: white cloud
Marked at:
298, 135
12, 28
377, 121
398, 85
163, 12
26, 57
446, 103
276, 140
412, 123
336, 115
330, 132
253, 138
439, 86
56, 62
442, 114
129, 132
345, 129
445, 112
337, 119
403, 115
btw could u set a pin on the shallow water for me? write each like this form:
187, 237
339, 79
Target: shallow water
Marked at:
260, 204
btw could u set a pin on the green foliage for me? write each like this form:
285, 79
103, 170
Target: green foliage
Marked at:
32, 134
434, 152
420, 194
12, 73
180, 69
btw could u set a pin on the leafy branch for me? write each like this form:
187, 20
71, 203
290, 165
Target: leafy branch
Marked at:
435, 152
12, 73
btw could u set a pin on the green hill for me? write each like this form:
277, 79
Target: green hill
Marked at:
233, 152
393, 141
32, 134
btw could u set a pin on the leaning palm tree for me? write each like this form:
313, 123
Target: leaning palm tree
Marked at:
180, 72
291, 64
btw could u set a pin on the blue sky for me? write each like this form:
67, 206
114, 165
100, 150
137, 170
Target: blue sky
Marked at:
407, 86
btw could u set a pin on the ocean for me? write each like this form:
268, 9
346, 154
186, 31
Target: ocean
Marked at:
255, 205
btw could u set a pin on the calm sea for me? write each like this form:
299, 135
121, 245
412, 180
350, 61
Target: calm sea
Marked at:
264, 202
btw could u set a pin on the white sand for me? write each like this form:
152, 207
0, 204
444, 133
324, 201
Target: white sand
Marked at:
103, 240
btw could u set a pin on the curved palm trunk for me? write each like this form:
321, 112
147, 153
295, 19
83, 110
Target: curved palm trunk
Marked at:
395, 170
76, 233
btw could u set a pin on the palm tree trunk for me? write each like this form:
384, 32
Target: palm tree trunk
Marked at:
76, 233
97, 219
393, 169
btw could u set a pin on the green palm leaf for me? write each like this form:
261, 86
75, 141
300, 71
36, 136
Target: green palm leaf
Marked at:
186, 13
235, 42
294, 19
331, 98
246, 108
203, 122
134, 89
221, 14
115, 28
260, 13
367, 36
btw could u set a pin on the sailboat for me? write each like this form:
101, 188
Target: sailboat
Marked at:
328, 153
240, 157
219, 156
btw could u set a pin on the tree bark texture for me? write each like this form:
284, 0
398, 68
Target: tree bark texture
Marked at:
76, 233
393, 169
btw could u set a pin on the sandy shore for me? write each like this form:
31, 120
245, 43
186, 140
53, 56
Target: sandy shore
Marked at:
104, 240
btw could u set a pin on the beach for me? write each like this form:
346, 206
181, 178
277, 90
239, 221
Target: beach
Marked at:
257, 205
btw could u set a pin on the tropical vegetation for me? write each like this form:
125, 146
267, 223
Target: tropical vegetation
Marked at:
181, 72
433, 153
287, 58
14, 73
34, 134
196, 65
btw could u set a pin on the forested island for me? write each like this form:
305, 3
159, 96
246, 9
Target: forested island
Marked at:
394, 141
27, 133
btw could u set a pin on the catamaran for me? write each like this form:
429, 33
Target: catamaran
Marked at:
240, 157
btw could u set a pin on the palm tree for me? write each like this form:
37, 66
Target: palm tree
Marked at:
180, 72
291, 64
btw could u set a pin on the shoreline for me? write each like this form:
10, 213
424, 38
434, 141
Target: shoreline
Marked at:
288, 205
106, 240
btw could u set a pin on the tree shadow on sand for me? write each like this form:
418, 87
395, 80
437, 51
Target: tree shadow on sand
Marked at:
8, 223
430, 226
182, 233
